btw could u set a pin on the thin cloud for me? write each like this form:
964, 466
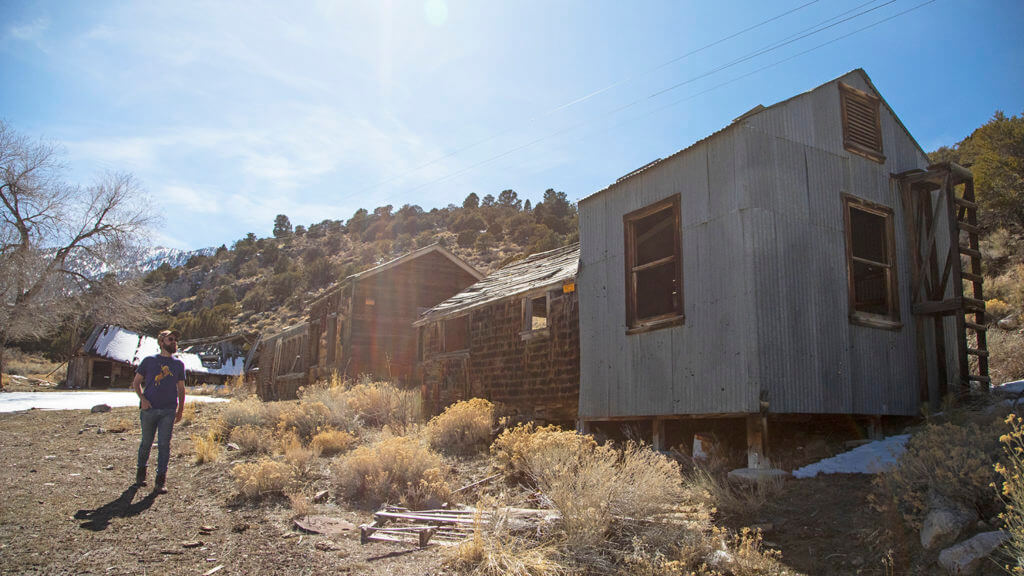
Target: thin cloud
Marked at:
189, 200
32, 31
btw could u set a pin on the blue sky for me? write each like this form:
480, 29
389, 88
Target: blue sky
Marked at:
230, 113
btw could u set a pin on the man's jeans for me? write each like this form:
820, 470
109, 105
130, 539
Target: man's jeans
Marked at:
156, 422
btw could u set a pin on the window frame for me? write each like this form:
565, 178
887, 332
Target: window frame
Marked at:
677, 316
444, 334
527, 330
850, 143
890, 320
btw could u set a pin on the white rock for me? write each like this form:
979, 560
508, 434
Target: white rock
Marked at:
942, 526
966, 557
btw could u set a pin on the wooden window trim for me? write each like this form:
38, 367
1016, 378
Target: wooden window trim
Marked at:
676, 316
527, 331
890, 321
847, 93
444, 335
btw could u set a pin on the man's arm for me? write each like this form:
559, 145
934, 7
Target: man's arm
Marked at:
181, 401
137, 387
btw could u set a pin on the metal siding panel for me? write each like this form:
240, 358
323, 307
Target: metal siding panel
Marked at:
723, 193
650, 357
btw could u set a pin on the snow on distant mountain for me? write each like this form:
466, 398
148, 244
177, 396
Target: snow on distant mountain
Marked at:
153, 258
149, 258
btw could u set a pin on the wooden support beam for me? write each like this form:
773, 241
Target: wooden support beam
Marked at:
973, 253
969, 228
977, 352
755, 442
975, 326
965, 203
943, 307
971, 277
658, 434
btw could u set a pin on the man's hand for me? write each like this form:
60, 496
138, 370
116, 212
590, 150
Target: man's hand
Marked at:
177, 415
144, 404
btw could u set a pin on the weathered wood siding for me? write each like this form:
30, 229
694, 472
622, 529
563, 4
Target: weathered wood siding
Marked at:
764, 276
537, 376
380, 339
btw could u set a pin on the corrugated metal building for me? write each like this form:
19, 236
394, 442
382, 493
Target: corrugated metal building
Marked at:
767, 269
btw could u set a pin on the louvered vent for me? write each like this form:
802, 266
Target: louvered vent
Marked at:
862, 127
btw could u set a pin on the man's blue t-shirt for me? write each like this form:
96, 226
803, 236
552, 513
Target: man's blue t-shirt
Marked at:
161, 375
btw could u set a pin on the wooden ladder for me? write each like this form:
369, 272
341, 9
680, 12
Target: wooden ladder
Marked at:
966, 224
932, 202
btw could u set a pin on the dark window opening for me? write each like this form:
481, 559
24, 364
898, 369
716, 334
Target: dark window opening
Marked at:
653, 264
870, 261
456, 334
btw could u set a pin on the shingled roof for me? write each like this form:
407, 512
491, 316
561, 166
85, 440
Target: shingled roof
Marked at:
537, 271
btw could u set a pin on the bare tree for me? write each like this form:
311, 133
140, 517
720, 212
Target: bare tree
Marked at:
47, 226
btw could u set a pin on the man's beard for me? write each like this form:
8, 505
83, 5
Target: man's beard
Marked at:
170, 347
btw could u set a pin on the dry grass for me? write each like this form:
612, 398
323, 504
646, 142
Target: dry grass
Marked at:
207, 448
304, 420
118, 425
248, 412
332, 394
715, 491
188, 414
1006, 360
380, 404
263, 477
300, 505
252, 439
332, 442
395, 470
1012, 490
463, 428
300, 457
490, 554
21, 363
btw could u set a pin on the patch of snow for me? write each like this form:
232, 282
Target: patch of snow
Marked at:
1010, 388
83, 400
870, 458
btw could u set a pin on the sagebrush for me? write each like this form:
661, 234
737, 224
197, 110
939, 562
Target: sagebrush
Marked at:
398, 469
463, 428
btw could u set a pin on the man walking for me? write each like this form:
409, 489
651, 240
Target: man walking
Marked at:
161, 403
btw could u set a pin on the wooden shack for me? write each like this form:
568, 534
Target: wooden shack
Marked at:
511, 338
363, 325
804, 260
111, 354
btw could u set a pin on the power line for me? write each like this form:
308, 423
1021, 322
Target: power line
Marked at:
584, 98
735, 62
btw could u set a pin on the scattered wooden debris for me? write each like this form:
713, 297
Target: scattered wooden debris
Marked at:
396, 524
447, 527
213, 570
477, 483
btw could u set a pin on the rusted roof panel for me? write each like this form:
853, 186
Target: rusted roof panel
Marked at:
535, 272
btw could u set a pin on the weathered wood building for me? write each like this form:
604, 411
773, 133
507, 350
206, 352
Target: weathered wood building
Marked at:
364, 325
111, 354
511, 338
805, 259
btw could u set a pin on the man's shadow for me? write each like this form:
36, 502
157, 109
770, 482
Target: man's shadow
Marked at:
121, 507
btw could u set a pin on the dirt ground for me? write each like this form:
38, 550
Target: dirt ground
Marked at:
66, 507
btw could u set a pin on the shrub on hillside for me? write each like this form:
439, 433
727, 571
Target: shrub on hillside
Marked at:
333, 395
463, 428
397, 470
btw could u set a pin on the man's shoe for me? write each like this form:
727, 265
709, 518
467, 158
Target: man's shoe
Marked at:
161, 480
140, 477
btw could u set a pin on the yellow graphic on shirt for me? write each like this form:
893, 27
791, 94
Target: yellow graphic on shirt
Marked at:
164, 372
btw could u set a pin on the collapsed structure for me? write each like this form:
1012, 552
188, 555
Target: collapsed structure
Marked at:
111, 354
